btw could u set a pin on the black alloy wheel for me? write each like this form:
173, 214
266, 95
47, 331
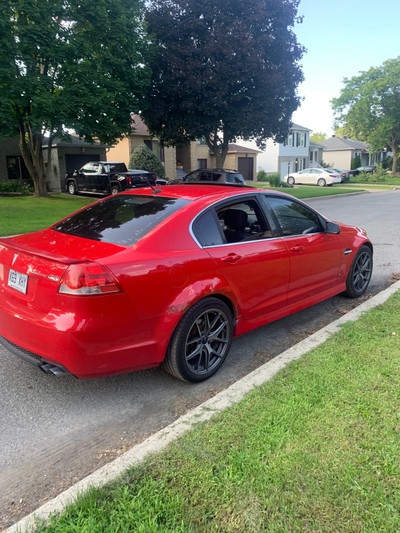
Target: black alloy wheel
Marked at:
360, 273
201, 341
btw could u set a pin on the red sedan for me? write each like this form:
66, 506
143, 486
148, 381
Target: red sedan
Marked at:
169, 276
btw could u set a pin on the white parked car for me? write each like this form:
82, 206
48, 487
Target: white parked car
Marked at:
313, 176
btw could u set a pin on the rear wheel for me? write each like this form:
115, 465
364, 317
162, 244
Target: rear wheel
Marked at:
290, 180
321, 182
115, 189
201, 341
72, 187
360, 273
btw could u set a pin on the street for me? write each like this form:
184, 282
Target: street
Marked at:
55, 431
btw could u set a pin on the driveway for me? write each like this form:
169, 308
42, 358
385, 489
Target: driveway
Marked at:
55, 431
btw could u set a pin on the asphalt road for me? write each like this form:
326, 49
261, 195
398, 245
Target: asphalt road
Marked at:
55, 431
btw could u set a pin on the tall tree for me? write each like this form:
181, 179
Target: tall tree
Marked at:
369, 107
74, 64
223, 69
318, 136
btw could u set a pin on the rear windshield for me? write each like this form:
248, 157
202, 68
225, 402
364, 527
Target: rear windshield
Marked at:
120, 219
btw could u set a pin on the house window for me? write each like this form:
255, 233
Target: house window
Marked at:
16, 168
162, 154
149, 144
201, 141
202, 163
289, 140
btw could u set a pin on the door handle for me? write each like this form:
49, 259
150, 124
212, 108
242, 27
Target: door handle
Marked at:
231, 258
297, 249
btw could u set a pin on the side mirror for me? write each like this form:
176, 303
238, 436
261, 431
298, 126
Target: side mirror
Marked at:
332, 227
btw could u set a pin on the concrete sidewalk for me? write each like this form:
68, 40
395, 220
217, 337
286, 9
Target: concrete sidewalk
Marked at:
205, 411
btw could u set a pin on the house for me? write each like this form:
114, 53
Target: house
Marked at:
290, 156
182, 159
316, 153
66, 157
197, 154
123, 150
339, 153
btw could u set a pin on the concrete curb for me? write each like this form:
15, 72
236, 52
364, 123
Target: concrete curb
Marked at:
203, 412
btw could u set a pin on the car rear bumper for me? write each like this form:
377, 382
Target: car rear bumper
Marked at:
87, 348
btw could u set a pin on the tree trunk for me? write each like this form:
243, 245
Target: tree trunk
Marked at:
219, 147
31, 149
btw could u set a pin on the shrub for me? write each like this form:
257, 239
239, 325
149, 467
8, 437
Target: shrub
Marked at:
356, 162
10, 186
275, 180
262, 176
144, 159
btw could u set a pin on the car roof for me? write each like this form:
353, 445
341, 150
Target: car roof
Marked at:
196, 191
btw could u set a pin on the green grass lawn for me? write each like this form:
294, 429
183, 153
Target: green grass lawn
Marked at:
22, 214
304, 191
316, 449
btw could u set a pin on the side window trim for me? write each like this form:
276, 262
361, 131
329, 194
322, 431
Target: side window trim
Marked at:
268, 219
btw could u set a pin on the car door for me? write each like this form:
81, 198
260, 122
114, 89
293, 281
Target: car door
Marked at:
86, 175
251, 259
306, 176
314, 255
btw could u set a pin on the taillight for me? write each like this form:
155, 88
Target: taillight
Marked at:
129, 180
88, 279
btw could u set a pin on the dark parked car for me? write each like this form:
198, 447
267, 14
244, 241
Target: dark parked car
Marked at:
170, 275
218, 175
107, 177
370, 169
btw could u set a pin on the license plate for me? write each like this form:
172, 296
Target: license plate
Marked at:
18, 281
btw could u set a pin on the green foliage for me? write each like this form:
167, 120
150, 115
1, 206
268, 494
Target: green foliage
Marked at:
318, 136
69, 65
356, 162
275, 180
369, 107
17, 186
222, 70
262, 175
144, 159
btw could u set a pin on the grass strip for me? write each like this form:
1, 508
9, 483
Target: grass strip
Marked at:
316, 449
305, 191
22, 214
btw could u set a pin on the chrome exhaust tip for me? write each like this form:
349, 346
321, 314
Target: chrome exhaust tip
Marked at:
48, 368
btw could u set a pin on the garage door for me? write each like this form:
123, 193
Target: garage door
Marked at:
245, 167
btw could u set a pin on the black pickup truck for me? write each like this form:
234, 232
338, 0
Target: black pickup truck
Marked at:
106, 177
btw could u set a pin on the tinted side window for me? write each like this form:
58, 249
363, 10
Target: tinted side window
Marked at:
294, 218
120, 219
206, 230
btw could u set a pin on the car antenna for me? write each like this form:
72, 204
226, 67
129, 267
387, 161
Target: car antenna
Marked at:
155, 191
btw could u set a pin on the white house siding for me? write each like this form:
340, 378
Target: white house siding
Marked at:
268, 159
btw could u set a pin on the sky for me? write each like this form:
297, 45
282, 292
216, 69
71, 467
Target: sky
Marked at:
342, 38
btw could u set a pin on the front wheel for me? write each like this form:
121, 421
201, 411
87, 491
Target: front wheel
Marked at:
321, 182
72, 188
290, 180
201, 341
360, 273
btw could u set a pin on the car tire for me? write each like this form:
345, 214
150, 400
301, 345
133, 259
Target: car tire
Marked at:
360, 273
321, 182
201, 341
290, 181
71, 186
115, 189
